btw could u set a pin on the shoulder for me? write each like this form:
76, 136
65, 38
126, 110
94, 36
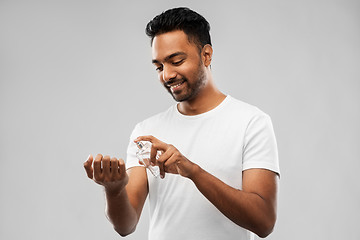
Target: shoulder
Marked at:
156, 119
244, 110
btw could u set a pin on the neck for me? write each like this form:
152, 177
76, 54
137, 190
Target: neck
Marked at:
208, 98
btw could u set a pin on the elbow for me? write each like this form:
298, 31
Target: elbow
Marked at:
264, 233
123, 232
123, 228
265, 228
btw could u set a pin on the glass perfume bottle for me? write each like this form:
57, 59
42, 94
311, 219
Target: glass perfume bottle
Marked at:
143, 154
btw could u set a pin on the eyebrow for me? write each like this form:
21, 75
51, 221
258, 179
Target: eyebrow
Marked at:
170, 57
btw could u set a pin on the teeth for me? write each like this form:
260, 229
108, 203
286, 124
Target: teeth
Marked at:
174, 86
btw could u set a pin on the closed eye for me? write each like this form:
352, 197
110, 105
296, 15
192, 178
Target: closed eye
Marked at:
178, 62
159, 68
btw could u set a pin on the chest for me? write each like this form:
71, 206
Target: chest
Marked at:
216, 145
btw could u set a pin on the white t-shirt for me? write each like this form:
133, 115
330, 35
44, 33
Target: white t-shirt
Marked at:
224, 141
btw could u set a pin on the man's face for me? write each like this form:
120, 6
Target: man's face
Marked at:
179, 65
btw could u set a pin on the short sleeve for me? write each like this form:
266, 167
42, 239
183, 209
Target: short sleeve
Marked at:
131, 159
260, 147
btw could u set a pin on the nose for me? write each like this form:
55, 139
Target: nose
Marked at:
168, 73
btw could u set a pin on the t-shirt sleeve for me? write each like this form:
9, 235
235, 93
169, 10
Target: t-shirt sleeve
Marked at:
131, 159
260, 147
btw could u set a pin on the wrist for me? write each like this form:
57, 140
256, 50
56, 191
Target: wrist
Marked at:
113, 192
195, 171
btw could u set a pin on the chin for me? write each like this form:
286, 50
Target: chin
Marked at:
183, 98
179, 99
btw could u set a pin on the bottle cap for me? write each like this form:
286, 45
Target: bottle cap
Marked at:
140, 144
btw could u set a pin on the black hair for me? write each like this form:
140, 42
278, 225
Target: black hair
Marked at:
193, 24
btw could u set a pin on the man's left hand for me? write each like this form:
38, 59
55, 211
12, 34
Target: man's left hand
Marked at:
171, 160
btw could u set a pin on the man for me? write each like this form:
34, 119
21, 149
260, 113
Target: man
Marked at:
218, 164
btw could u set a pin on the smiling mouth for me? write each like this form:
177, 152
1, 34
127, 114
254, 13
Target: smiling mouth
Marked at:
176, 86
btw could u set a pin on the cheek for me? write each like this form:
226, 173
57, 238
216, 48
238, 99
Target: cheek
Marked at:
187, 71
194, 73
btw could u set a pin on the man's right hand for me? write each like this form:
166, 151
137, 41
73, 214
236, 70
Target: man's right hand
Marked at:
110, 173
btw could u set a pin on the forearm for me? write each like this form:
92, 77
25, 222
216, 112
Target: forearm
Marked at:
246, 209
120, 212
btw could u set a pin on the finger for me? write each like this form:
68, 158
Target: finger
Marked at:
157, 156
114, 168
106, 165
160, 163
159, 144
153, 152
88, 166
122, 169
157, 149
97, 167
164, 157
146, 138
171, 163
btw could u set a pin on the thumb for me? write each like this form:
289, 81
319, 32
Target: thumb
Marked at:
88, 166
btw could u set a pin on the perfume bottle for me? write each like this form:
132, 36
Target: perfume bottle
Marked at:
143, 154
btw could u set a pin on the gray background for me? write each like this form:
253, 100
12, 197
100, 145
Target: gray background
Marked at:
76, 76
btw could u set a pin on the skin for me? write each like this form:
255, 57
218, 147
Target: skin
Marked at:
179, 61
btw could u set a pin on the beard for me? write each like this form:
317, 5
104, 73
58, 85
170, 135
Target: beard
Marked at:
192, 88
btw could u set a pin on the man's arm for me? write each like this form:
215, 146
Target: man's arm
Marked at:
125, 191
253, 207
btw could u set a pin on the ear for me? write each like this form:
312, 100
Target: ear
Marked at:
206, 54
